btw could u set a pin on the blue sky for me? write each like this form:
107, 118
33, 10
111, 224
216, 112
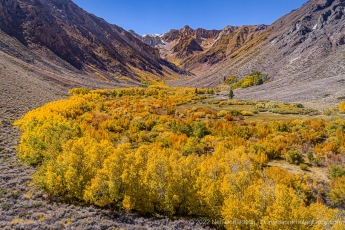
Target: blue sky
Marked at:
158, 16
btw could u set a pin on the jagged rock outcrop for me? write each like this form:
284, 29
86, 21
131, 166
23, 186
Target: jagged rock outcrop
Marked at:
186, 47
228, 42
200, 49
171, 35
149, 39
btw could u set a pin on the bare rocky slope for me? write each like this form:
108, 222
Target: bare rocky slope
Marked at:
303, 53
87, 43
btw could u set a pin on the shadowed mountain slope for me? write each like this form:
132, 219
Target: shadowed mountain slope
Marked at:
84, 41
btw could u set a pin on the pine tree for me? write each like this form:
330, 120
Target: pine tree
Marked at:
231, 94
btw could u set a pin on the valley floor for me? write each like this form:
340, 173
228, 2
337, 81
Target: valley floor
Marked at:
288, 89
23, 206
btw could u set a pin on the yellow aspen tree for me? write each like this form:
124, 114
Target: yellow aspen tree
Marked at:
282, 209
133, 178
337, 191
107, 185
156, 177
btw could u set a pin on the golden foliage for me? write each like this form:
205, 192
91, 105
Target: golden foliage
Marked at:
342, 107
126, 148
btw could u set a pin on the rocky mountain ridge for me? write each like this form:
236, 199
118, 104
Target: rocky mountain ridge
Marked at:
200, 49
305, 47
86, 42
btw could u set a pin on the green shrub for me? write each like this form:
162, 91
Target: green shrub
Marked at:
304, 167
3, 193
329, 112
181, 128
76, 91
23, 214
310, 157
199, 130
294, 156
272, 105
260, 106
335, 171
14, 194
235, 112
6, 206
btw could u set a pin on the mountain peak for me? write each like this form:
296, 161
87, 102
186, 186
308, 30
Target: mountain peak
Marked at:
149, 39
186, 30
